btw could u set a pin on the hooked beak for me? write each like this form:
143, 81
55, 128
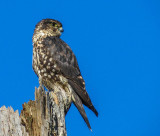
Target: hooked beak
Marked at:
61, 29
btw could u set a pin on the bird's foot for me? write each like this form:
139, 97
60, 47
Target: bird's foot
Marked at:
41, 87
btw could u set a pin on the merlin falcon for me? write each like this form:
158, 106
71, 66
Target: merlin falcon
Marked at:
53, 59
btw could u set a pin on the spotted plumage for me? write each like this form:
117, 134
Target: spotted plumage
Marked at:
54, 61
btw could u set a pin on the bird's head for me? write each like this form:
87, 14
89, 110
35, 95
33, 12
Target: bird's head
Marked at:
47, 27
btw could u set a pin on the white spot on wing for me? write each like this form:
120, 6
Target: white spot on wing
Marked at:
55, 65
50, 59
48, 67
44, 69
39, 71
49, 76
45, 74
80, 77
45, 57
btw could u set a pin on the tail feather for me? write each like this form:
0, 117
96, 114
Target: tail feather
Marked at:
78, 103
94, 110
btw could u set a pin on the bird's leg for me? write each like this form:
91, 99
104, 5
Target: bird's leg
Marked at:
40, 83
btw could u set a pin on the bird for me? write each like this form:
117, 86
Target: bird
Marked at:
53, 59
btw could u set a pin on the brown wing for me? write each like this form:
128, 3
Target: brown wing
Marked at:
68, 67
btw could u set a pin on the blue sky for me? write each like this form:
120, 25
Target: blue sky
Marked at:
117, 44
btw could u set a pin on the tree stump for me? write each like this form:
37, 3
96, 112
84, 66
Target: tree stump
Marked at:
43, 117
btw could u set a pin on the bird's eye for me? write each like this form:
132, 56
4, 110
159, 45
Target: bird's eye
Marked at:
55, 25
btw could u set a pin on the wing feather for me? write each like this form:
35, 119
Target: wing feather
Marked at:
68, 67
